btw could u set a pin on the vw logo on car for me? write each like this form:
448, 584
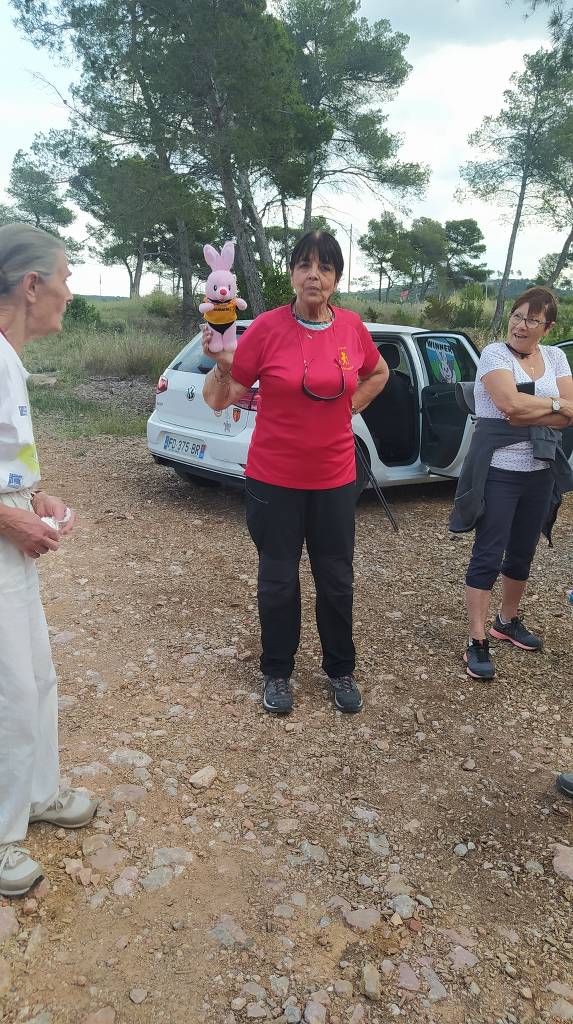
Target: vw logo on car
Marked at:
191, 393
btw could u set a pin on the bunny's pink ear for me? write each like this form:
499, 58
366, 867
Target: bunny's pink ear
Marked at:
227, 256
212, 258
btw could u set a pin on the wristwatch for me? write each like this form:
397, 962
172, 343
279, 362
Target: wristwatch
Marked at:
555, 405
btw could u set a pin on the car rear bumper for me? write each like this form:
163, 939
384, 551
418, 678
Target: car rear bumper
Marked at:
224, 457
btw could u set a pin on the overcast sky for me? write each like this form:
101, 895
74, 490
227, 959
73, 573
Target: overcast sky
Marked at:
463, 53
431, 24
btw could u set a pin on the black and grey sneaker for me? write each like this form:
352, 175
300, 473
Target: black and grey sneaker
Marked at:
517, 634
565, 783
478, 660
346, 694
277, 695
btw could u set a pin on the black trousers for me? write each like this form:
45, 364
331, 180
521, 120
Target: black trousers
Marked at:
280, 520
516, 506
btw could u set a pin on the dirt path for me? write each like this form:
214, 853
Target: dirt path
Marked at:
397, 863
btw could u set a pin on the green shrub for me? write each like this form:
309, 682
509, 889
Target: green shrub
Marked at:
161, 305
468, 310
437, 312
277, 287
563, 329
401, 315
373, 315
81, 313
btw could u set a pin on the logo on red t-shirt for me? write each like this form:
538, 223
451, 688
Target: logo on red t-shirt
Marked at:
344, 360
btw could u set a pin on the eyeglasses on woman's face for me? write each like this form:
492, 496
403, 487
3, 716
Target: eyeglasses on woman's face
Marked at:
323, 398
529, 321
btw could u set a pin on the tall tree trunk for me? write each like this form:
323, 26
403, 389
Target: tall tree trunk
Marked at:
561, 262
308, 199
135, 284
286, 246
499, 306
246, 254
131, 282
388, 290
224, 168
380, 285
261, 239
186, 279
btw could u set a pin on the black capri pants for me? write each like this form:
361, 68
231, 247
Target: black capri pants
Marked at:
506, 536
280, 520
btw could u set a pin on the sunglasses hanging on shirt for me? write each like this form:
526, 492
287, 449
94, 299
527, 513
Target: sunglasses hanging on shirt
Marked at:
307, 363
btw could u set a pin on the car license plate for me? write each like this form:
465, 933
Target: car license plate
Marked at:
183, 446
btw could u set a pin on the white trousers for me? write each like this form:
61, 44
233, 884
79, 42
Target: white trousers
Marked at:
29, 769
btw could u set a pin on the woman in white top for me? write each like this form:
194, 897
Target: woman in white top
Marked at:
33, 299
527, 384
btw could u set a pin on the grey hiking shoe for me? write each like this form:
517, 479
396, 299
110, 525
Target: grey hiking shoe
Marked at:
278, 696
70, 809
18, 872
347, 696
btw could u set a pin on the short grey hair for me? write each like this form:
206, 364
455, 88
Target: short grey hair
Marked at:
25, 249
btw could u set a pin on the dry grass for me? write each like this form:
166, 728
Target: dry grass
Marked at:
79, 351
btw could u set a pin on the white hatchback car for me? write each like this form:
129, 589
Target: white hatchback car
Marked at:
411, 433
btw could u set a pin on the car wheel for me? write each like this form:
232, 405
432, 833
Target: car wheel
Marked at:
194, 478
361, 474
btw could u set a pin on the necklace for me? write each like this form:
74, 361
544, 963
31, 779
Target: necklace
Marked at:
316, 324
525, 356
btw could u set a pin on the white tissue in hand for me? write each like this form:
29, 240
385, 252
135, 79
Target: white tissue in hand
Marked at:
55, 524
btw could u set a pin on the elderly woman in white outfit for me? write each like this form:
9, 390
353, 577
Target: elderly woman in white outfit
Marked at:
33, 299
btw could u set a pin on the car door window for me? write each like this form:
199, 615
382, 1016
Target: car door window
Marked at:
446, 359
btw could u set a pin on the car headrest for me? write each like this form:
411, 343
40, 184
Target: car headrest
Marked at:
391, 354
464, 390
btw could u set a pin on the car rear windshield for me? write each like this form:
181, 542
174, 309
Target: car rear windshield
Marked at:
446, 359
194, 360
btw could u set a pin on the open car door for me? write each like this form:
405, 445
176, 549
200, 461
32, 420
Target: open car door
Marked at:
447, 358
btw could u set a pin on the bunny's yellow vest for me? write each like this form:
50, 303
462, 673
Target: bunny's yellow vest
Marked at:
224, 312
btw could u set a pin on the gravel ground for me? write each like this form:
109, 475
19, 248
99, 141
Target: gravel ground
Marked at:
412, 861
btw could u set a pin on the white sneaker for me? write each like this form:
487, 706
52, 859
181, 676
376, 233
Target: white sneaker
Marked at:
18, 872
70, 809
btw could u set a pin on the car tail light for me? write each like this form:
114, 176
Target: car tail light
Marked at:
161, 386
248, 401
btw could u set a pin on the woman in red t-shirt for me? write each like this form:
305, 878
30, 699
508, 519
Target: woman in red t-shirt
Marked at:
317, 366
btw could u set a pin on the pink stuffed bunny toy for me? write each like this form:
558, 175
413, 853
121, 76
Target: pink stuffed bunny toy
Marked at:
221, 301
